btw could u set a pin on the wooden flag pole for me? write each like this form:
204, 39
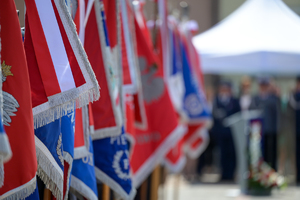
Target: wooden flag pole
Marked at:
155, 179
105, 192
47, 194
144, 188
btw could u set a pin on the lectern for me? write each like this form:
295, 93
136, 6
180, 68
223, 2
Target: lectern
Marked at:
239, 124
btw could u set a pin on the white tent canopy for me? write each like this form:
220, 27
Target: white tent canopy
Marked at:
262, 36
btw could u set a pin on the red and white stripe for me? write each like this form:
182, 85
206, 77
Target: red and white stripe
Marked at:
65, 71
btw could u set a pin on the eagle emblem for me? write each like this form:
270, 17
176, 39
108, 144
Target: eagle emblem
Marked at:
153, 86
10, 104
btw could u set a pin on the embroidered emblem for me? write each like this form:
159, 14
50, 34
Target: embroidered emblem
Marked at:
59, 149
193, 105
10, 104
118, 162
89, 159
153, 86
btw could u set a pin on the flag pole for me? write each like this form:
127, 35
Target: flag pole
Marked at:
144, 188
47, 194
105, 192
155, 179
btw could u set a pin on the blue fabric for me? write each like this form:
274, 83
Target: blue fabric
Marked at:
84, 170
176, 58
1, 126
49, 136
61, 131
67, 131
104, 26
112, 158
195, 105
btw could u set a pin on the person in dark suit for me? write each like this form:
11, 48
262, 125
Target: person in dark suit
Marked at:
295, 105
268, 102
225, 105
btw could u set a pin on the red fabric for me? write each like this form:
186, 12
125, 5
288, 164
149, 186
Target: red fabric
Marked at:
126, 71
38, 92
196, 143
141, 21
43, 57
77, 18
161, 117
111, 21
66, 177
129, 112
91, 118
102, 109
79, 132
193, 142
176, 153
22, 167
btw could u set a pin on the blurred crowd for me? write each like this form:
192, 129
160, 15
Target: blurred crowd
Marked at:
220, 156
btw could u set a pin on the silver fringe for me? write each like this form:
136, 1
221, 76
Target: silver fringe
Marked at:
21, 192
61, 104
51, 178
1, 171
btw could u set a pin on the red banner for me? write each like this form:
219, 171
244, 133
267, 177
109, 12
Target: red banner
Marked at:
20, 170
153, 141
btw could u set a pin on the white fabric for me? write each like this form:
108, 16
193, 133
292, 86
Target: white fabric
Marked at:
260, 36
55, 45
245, 101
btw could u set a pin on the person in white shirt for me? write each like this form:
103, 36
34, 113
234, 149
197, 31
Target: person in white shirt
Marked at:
245, 98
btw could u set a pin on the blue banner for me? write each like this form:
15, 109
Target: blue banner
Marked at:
112, 165
83, 180
194, 102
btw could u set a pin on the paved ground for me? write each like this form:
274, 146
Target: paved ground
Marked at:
198, 191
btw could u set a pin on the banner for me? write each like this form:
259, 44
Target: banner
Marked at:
20, 170
60, 72
154, 141
93, 34
195, 109
112, 165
